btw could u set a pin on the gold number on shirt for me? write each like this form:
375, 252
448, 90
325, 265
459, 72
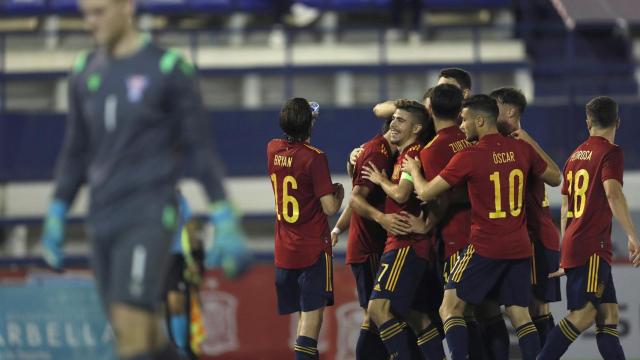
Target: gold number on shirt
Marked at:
545, 201
577, 191
384, 269
515, 195
289, 182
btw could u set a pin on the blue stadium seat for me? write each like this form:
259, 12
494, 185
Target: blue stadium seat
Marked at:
466, 4
63, 6
162, 6
211, 5
253, 5
23, 6
347, 4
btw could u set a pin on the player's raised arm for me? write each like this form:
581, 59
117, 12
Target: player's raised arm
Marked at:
620, 209
69, 175
385, 110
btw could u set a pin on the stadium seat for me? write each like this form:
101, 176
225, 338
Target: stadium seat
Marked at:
211, 5
162, 6
63, 6
17, 7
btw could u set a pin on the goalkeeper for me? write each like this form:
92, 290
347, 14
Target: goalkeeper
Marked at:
135, 114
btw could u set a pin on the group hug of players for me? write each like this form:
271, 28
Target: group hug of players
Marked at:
449, 220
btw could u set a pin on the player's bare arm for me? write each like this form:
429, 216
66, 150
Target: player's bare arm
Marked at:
434, 188
414, 168
400, 192
331, 202
393, 223
552, 175
353, 156
341, 225
563, 225
385, 110
620, 209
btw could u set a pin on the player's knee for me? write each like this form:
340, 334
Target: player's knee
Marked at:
583, 318
608, 314
134, 328
452, 305
379, 311
518, 315
310, 323
366, 319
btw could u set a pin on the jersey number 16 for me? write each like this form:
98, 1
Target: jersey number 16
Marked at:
290, 208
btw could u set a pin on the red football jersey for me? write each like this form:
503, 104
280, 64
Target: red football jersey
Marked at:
367, 236
420, 243
496, 171
299, 177
539, 221
434, 158
589, 216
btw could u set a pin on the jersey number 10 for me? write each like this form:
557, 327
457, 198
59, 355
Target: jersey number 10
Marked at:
577, 192
288, 201
515, 198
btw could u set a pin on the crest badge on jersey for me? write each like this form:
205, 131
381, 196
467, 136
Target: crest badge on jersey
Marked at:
136, 85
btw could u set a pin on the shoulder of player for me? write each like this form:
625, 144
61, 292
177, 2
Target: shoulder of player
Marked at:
314, 150
377, 145
81, 62
170, 59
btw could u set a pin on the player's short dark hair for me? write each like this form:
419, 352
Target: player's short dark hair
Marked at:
446, 101
510, 96
421, 115
427, 94
460, 76
484, 104
386, 125
602, 111
296, 119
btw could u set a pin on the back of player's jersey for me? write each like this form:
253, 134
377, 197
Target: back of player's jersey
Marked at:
589, 216
496, 171
300, 177
434, 157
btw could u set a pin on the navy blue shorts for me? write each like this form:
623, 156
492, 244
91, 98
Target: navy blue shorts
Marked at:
365, 274
305, 289
448, 264
544, 262
507, 281
591, 282
399, 275
428, 296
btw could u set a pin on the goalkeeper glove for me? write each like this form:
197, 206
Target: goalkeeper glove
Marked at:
229, 248
53, 234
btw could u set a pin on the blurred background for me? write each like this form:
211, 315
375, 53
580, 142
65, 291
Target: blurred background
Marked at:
347, 55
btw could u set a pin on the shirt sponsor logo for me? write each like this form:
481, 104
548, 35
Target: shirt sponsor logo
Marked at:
136, 85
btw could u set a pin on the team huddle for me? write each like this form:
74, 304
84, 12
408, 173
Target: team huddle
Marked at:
449, 220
